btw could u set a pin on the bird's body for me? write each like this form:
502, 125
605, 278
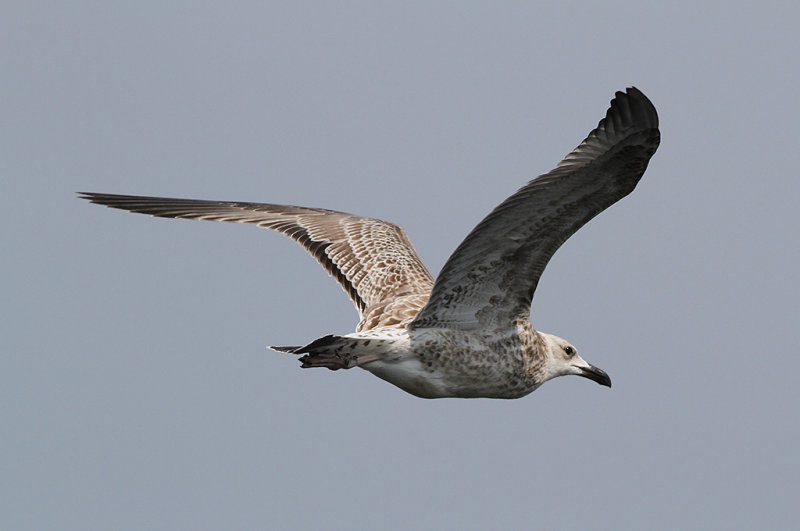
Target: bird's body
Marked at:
468, 334
439, 362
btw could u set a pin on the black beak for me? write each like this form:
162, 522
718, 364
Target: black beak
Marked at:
598, 375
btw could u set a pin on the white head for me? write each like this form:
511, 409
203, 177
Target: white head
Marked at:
562, 359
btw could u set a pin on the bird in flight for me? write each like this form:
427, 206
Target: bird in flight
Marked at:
468, 333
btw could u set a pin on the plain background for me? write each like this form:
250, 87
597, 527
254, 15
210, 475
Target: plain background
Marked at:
136, 389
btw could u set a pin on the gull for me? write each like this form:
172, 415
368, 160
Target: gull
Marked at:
468, 334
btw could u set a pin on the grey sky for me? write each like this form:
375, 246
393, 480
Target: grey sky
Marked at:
137, 392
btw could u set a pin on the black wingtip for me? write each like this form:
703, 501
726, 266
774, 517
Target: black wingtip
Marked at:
96, 197
635, 105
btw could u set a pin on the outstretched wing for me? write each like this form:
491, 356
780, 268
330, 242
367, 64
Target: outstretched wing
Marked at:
372, 260
489, 280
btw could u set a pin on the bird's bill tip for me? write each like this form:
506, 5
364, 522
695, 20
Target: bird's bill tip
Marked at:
598, 375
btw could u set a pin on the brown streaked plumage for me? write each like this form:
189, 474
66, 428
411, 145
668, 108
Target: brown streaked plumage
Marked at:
372, 260
468, 334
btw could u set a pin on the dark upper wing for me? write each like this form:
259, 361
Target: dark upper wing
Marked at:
373, 260
490, 278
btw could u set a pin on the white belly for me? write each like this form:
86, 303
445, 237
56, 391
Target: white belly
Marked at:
439, 363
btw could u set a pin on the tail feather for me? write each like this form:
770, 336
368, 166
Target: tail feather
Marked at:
331, 351
290, 350
324, 343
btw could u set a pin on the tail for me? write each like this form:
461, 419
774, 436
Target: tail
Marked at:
288, 350
333, 352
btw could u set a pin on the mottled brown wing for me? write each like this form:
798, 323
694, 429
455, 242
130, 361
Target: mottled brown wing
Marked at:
489, 280
372, 260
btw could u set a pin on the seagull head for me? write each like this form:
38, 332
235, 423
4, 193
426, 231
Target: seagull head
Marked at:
563, 359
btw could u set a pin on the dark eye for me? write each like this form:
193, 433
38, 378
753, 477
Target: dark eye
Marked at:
569, 350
